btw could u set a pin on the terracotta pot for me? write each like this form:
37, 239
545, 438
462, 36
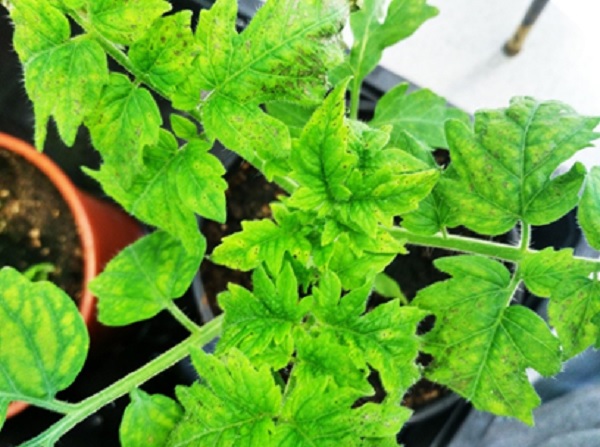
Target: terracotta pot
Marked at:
103, 229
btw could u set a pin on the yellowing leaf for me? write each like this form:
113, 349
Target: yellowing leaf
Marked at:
234, 404
143, 278
126, 119
43, 341
260, 323
384, 338
283, 54
123, 21
503, 168
63, 77
481, 347
166, 53
148, 420
573, 311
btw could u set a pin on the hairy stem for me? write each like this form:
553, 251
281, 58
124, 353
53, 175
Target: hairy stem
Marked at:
121, 58
80, 411
355, 97
502, 252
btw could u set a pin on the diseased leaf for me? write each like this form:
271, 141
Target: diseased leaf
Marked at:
421, 113
144, 278
588, 213
125, 121
43, 341
481, 347
283, 54
167, 52
148, 420
379, 24
384, 338
260, 323
503, 168
293, 115
63, 77
264, 241
234, 404
353, 269
121, 20
317, 412
323, 356
573, 311
544, 271
346, 175
171, 186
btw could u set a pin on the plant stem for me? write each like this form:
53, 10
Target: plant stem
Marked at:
525, 236
183, 319
460, 243
355, 97
79, 412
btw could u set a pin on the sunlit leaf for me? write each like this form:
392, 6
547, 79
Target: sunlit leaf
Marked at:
588, 213
480, 345
503, 168
148, 420
43, 341
144, 278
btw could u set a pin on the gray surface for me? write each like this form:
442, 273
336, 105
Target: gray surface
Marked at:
572, 419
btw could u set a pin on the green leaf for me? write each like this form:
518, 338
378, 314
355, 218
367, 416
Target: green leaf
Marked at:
355, 269
321, 161
544, 271
148, 420
573, 311
171, 186
144, 278
166, 53
126, 119
384, 338
588, 213
123, 21
388, 287
183, 127
293, 115
43, 341
234, 404
264, 241
380, 24
318, 413
260, 323
421, 113
283, 54
481, 347
503, 168
63, 77
3, 410
322, 356
346, 175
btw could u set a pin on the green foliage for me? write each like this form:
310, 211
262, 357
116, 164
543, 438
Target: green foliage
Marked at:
379, 24
589, 208
300, 351
475, 335
421, 113
143, 272
502, 170
43, 342
156, 414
